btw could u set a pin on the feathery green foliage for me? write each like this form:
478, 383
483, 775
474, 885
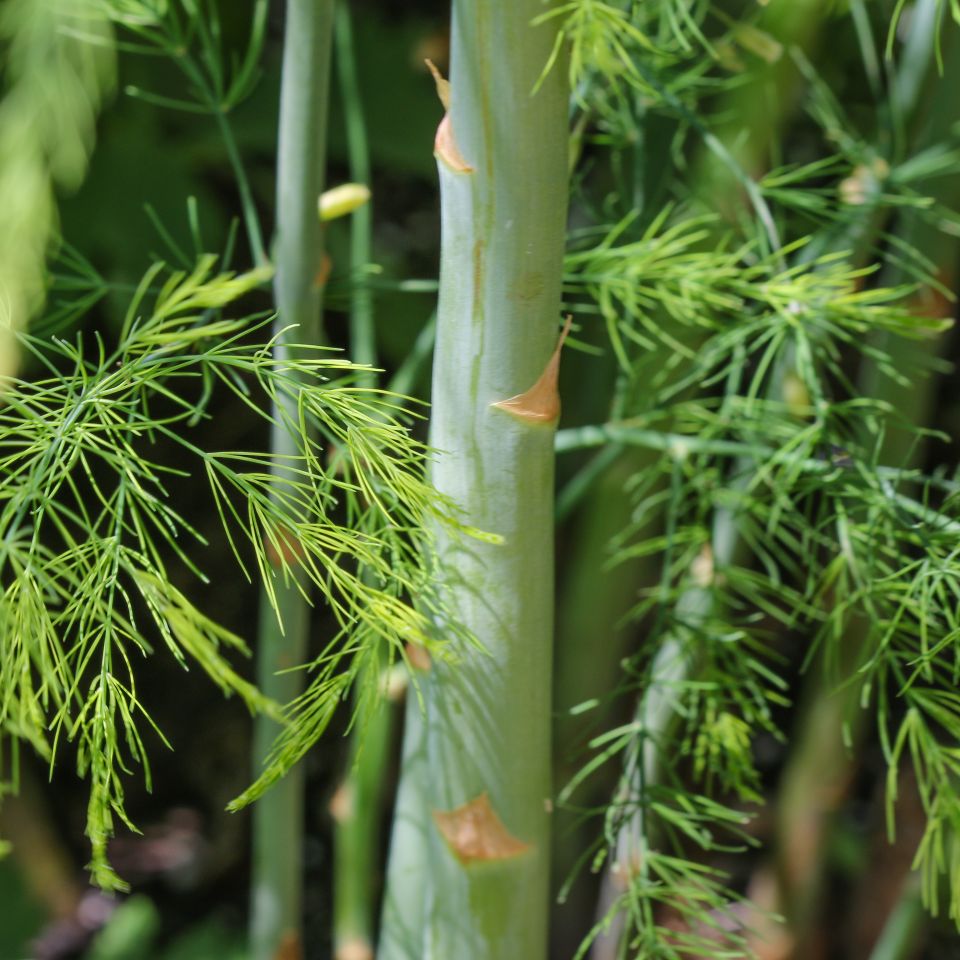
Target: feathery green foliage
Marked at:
90, 528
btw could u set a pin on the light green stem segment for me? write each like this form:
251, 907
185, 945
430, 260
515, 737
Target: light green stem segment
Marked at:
478, 723
298, 250
363, 341
357, 808
358, 804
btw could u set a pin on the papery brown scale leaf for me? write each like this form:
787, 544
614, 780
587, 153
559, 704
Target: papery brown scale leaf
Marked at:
541, 403
476, 834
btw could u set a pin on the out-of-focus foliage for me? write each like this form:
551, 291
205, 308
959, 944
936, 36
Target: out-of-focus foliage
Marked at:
133, 930
58, 67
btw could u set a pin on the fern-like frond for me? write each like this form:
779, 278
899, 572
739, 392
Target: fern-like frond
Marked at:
89, 530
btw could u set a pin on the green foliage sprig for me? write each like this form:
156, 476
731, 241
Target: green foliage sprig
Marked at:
753, 357
723, 343
89, 531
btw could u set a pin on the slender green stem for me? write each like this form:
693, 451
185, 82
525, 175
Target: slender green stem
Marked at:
357, 808
468, 875
278, 816
212, 96
359, 800
655, 715
363, 343
251, 219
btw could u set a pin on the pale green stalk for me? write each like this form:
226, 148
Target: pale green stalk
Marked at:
278, 816
656, 713
478, 722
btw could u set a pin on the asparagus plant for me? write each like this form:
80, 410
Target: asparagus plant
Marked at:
762, 497
827, 750
684, 679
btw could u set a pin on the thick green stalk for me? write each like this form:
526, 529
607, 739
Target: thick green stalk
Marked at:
298, 250
472, 882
